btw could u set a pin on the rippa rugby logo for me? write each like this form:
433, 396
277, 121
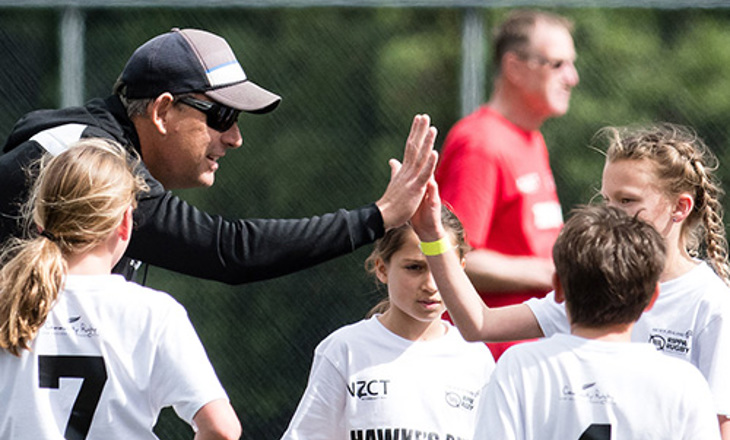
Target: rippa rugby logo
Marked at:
679, 343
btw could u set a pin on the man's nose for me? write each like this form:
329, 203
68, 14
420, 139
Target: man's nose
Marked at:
232, 138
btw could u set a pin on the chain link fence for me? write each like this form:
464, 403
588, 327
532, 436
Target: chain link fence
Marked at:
352, 78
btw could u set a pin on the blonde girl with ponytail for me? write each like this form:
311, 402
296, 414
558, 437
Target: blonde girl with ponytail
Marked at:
73, 210
123, 351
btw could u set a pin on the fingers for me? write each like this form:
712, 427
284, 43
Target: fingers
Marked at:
431, 198
426, 172
426, 141
426, 220
419, 159
420, 140
432, 192
408, 180
395, 166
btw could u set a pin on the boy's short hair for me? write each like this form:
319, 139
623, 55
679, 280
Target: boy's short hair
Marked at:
608, 263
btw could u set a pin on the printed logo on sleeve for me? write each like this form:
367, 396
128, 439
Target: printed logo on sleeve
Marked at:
672, 342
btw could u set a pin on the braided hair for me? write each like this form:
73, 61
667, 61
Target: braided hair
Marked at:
683, 163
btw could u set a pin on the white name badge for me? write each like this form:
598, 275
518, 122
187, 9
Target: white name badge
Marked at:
529, 183
547, 215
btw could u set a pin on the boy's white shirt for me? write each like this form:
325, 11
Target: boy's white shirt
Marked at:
688, 321
563, 386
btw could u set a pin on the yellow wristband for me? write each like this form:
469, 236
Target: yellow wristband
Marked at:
438, 247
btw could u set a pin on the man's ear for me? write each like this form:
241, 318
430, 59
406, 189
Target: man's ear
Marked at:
653, 298
159, 111
381, 270
512, 68
558, 286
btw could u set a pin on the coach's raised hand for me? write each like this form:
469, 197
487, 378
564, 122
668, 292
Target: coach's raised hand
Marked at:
408, 180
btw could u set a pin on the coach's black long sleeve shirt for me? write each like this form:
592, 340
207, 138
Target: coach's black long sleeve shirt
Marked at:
171, 233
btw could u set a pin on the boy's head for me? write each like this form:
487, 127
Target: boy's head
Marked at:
608, 264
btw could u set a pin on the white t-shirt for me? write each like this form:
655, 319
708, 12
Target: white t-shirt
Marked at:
109, 357
570, 388
688, 321
368, 383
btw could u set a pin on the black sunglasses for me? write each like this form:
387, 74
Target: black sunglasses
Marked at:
218, 117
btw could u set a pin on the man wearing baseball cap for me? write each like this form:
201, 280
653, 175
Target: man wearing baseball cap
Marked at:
176, 104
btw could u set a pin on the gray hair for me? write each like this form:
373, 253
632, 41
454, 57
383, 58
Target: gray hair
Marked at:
134, 107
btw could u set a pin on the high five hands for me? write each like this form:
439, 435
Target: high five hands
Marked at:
409, 180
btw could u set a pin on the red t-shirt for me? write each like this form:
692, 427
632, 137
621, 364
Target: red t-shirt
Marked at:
496, 177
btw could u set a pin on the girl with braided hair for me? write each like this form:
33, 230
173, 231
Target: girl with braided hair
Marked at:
681, 165
84, 354
662, 173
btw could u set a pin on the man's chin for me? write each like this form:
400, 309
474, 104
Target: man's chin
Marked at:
207, 182
206, 178
559, 111
204, 181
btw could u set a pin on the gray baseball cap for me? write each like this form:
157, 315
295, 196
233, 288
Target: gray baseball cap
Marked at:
191, 60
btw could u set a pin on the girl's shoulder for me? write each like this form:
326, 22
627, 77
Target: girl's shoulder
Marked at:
357, 333
455, 341
112, 295
701, 282
700, 294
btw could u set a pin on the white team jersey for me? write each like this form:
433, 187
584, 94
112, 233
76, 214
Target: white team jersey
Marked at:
109, 357
686, 322
367, 383
570, 388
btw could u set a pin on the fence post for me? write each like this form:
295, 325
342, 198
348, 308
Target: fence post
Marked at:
473, 63
72, 56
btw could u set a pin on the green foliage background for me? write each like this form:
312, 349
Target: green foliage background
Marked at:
352, 78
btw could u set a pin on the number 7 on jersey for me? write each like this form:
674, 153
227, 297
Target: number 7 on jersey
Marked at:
92, 370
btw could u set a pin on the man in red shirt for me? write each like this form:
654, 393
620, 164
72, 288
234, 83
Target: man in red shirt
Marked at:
494, 170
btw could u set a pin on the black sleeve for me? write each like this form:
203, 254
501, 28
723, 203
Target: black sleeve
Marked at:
14, 187
175, 235
172, 234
